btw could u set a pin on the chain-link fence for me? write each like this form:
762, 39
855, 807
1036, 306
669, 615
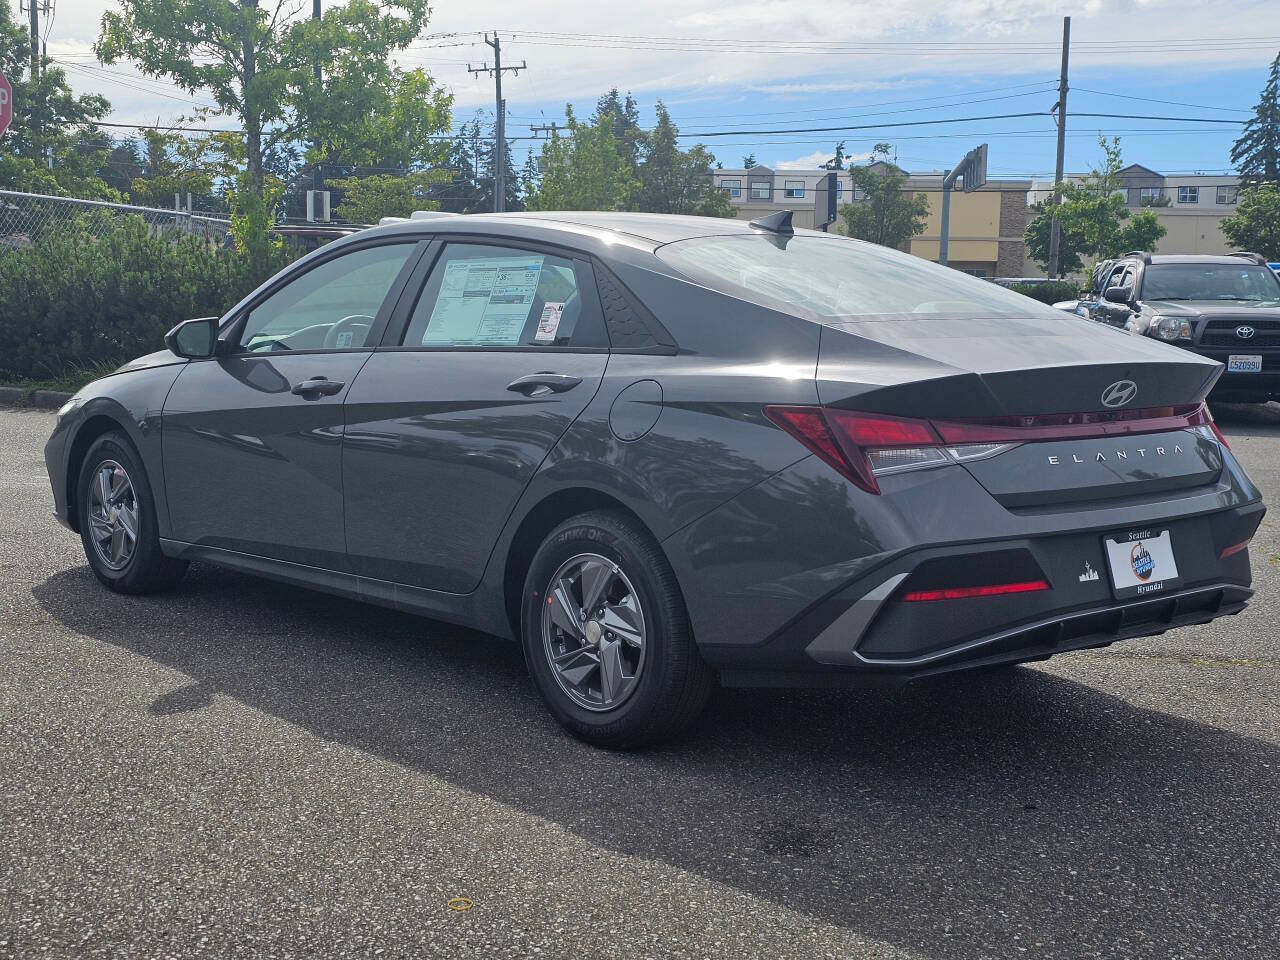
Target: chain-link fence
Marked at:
25, 217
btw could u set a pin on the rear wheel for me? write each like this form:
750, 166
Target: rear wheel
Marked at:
607, 636
118, 520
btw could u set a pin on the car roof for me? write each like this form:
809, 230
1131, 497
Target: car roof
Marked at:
646, 229
1205, 258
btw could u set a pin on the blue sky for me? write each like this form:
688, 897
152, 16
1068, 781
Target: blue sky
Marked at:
733, 66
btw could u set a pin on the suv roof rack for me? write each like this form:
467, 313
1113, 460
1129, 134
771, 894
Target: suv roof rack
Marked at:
1140, 254
1257, 258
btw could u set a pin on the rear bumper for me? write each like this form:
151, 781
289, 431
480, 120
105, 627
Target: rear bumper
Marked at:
1080, 630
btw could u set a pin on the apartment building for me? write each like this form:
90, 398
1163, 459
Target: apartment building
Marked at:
1190, 206
986, 227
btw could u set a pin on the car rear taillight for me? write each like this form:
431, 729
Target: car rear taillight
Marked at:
987, 590
862, 446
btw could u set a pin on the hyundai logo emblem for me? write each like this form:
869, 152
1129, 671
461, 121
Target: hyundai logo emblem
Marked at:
1119, 393
1245, 333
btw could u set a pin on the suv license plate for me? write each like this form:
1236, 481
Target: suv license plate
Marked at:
1244, 363
1141, 563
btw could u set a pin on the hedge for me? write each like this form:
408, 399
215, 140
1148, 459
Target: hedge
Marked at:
1048, 291
103, 291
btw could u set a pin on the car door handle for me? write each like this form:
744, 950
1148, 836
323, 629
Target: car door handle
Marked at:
318, 387
540, 384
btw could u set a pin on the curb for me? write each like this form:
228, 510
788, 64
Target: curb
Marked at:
33, 399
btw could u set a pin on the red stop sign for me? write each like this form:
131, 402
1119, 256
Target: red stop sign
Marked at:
6, 103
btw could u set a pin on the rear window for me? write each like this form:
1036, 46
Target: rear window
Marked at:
837, 278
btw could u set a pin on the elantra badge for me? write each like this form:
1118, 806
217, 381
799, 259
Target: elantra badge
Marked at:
1245, 332
1119, 393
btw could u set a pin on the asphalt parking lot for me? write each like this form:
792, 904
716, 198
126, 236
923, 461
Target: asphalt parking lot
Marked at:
244, 769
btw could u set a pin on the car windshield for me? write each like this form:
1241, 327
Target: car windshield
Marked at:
834, 277
1208, 281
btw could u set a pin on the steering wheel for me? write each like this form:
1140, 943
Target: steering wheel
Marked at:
357, 325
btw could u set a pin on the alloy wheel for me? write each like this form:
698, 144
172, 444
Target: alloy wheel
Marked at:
113, 515
593, 632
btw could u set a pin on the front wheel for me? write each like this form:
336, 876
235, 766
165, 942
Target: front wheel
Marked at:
607, 637
118, 520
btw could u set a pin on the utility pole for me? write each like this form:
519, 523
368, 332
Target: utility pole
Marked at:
33, 7
500, 122
317, 179
1055, 228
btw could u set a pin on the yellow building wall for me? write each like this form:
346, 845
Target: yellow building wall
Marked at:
973, 232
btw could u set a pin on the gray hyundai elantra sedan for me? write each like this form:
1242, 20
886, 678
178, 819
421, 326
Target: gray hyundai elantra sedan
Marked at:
668, 452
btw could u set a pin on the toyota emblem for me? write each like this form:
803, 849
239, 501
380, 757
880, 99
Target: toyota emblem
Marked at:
1119, 393
1245, 333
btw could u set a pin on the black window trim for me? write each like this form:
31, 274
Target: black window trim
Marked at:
230, 332
395, 331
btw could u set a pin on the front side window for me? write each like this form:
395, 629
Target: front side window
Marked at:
1209, 281
833, 277
1228, 194
491, 296
332, 306
793, 189
761, 190
733, 186
1188, 194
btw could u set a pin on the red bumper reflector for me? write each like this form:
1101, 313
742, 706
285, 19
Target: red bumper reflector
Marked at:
1234, 549
961, 593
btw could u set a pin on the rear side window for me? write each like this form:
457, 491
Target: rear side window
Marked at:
492, 296
835, 278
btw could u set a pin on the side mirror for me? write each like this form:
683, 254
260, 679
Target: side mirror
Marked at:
194, 339
1118, 295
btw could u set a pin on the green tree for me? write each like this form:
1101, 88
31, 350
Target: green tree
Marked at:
674, 180
623, 116
749, 161
42, 150
1094, 221
884, 213
177, 164
1256, 154
583, 170
1256, 223
256, 63
369, 199
837, 161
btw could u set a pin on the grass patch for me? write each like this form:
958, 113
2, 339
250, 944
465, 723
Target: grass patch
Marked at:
68, 379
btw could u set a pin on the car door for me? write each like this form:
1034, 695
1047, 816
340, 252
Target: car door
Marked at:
502, 349
252, 438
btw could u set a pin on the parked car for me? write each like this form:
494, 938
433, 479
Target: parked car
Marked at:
662, 452
1225, 308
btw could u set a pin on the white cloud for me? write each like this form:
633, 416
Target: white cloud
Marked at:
570, 69
808, 162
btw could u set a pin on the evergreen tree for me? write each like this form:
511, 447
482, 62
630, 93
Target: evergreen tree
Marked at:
1256, 154
674, 180
622, 114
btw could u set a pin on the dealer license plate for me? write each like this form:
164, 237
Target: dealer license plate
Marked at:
1141, 562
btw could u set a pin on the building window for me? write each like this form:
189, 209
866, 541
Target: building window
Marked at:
793, 189
733, 186
839, 189
761, 190
1228, 194
1150, 196
1188, 194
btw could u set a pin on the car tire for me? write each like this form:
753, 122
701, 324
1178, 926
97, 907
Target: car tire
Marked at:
126, 563
641, 629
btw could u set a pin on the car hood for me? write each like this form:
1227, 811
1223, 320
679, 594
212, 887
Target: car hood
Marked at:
161, 358
981, 368
1269, 309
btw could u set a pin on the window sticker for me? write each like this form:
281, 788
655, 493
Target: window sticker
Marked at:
344, 339
484, 301
549, 322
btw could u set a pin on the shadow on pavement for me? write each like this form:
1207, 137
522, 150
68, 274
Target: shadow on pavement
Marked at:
971, 817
